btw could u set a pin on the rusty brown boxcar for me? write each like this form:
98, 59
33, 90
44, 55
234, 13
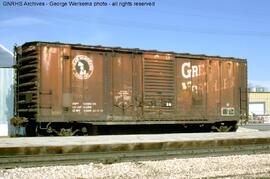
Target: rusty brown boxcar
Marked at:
70, 89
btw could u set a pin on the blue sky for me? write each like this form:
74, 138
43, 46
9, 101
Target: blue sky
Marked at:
226, 28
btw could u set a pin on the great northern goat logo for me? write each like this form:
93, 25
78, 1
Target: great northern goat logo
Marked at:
82, 67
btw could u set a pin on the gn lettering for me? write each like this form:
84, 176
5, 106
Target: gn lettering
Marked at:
189, 71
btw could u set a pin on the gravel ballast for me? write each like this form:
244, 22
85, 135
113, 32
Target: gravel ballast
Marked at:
238, 166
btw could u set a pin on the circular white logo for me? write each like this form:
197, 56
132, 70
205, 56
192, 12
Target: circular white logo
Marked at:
82, 67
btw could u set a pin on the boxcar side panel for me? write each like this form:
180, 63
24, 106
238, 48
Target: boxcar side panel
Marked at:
107, 91
50, 91
227, 84
67, 76
87, 85
236, 86
137, 81
229, 104
213, 88
122, 86
191, 89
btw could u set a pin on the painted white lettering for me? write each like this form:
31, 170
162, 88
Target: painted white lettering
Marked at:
186, 71
189, 71
195, 71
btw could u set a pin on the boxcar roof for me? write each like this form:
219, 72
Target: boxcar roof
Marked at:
130, 50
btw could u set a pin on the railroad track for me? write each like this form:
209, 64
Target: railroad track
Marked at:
128, 148
13, 161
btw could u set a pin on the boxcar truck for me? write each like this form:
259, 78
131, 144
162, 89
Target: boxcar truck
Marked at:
73, 89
